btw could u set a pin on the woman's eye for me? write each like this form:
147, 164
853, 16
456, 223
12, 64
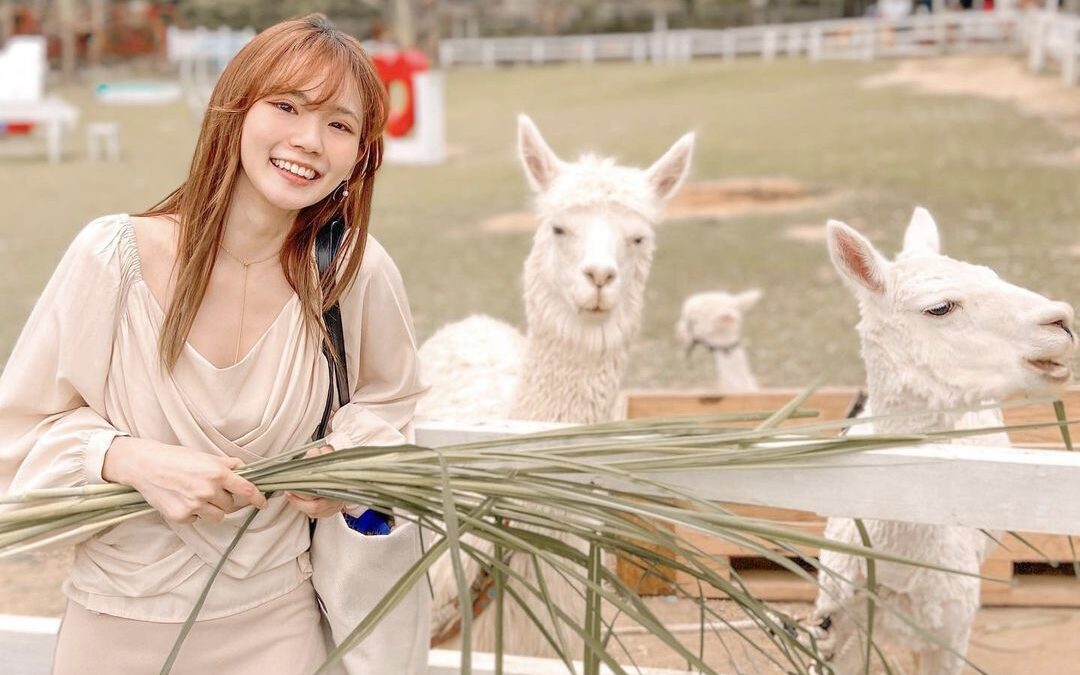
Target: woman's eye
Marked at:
339, 125
941, 309
284, 107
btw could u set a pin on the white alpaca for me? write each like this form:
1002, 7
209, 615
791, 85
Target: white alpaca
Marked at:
584, 284
936, 334
714, 321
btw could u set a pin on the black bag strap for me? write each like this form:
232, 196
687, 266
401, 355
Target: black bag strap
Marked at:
327, 243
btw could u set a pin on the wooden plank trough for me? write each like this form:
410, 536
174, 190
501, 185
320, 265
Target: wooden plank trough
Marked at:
1040, 572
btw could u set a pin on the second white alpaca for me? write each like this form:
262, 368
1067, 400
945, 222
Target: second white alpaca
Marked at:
713, 320
936, 334
584, 286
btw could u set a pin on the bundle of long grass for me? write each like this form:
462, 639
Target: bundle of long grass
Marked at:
492, 489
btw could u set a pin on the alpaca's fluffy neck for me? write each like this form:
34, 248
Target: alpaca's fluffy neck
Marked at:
733, 370
561, 383
897, 387
573, 365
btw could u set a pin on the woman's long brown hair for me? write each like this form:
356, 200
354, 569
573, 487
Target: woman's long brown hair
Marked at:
286, 57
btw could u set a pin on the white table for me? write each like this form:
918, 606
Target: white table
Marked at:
54, 114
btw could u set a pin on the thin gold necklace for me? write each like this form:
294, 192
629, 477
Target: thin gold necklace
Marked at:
243, 297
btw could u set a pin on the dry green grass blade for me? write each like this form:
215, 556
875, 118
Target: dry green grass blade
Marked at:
453, 537
592, 611
791, 406
545, 594
500, 590
871, 585
194, 615
100, 521
1059, 412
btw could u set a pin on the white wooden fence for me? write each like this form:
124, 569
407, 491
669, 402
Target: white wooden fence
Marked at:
986, 487
1053, 38
862, 38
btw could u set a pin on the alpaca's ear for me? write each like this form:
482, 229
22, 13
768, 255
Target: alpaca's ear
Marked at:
922, 233
748, 299
540, 162
855, 257
667, 173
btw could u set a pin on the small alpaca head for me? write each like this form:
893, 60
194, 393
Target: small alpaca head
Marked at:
713, 320
593, 248
951, 331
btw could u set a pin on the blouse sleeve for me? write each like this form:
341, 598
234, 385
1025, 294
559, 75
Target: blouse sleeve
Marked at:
53, 428
381, 352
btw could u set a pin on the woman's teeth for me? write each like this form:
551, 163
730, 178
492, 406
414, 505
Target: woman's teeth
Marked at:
295, 169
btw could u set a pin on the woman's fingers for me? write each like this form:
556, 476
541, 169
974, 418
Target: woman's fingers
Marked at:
210, 513
315, 507
245, 490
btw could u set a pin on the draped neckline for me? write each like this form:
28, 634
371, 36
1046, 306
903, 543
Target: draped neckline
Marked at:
286, 310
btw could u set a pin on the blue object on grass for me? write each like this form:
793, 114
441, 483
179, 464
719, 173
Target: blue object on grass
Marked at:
370, 523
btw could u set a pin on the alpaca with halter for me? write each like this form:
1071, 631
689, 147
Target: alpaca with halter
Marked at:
713, 321
584, 286
937, 334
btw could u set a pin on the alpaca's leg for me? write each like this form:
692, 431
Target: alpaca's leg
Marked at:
841, 639
943, 661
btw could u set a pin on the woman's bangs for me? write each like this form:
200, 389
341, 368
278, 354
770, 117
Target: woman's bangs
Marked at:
322, 73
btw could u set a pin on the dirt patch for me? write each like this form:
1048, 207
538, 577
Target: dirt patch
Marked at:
994, 77
706, 199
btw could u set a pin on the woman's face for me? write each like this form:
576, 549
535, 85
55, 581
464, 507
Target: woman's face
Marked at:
294, 154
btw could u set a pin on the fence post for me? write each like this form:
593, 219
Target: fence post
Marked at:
768, 45
729, 46
794, 41
1037, 48
1068, 53
487, 55
588, 51
446, 54
537, 50
817, 38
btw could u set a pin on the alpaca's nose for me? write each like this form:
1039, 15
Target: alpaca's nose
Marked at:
1061, 316
600, 275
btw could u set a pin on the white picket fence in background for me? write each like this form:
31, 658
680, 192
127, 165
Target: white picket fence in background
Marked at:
861, 38
985, 487
1051, 38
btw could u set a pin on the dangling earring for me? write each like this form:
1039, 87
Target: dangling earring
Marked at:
338, 189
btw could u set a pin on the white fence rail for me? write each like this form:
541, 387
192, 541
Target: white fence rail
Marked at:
863, 38
975, 486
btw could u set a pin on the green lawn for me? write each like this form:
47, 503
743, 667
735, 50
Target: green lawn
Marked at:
881, 151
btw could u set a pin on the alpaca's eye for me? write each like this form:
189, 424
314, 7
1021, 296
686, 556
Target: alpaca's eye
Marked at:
558, 230
941, 309
638, 240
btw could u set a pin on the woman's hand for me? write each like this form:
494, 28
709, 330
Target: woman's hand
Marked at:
182, 484
316, 507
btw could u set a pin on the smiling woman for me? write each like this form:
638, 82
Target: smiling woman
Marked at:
172, 347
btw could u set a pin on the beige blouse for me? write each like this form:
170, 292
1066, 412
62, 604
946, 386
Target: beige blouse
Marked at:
85, 369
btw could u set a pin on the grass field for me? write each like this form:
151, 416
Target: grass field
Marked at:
974, 162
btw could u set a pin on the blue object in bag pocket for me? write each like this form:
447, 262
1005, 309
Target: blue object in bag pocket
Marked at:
370, 523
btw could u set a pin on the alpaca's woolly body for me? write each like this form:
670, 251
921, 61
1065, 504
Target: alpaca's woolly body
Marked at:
733, 372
